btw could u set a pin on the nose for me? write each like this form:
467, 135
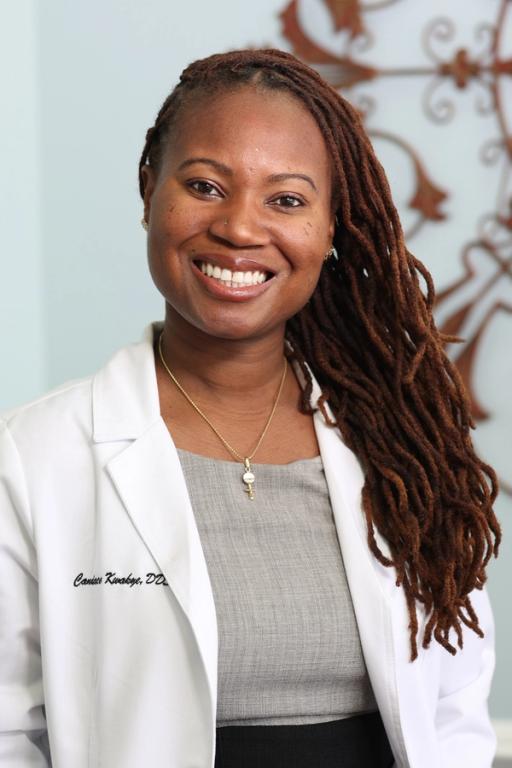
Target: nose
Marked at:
240, 223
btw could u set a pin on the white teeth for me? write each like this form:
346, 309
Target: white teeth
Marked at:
232, 279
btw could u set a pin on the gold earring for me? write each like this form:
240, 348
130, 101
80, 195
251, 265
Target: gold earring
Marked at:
331, 252
144, 223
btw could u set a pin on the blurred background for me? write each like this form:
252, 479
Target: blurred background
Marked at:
82, 82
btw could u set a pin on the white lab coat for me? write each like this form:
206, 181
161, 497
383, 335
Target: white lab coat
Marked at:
125, 676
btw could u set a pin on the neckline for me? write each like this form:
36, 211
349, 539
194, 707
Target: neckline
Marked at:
313, 460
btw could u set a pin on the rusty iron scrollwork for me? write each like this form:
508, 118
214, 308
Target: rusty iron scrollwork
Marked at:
470, 304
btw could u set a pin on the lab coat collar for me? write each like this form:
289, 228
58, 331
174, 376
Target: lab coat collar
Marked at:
125, 392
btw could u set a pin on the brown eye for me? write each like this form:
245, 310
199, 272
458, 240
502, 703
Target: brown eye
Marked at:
288, 201
204, 188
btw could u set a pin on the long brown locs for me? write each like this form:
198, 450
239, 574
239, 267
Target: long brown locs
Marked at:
369, 336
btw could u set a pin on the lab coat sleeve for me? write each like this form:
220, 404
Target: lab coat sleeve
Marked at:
23, 733
466, 736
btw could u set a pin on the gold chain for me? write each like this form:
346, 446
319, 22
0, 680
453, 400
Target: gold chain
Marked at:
230, 448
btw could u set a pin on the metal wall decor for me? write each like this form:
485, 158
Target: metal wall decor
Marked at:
471, 303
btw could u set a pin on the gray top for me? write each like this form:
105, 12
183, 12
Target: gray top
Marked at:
289, 648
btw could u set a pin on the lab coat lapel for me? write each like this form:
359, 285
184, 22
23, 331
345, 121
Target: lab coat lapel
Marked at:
150, 483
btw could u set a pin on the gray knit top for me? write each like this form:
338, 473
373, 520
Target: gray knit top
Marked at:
289, 648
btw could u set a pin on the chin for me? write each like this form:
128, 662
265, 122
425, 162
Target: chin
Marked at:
236, 331
237, 325
232, 334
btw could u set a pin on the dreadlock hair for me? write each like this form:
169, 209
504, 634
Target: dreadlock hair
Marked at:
369, 337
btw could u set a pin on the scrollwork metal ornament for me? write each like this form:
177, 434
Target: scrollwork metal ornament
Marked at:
468, 306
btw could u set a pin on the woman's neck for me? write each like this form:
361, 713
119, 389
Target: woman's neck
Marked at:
230, 374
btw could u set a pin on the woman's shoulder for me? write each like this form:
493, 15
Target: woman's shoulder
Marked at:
46, 415
121, 390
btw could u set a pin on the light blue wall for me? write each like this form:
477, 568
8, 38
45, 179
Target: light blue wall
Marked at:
104, 70
81, 82
22, 315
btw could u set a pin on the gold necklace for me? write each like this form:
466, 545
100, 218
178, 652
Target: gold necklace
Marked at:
248, 476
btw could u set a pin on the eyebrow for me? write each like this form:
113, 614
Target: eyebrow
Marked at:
276, 177
226, 170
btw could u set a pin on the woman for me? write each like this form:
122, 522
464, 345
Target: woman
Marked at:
258, 537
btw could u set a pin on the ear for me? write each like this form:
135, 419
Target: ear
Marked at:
149, 181
332, 227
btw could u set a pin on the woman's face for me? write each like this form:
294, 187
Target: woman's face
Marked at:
244, 186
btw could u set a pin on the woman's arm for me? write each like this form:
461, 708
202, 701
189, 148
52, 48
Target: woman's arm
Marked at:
23, 734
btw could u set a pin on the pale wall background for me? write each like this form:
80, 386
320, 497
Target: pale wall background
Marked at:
80, 84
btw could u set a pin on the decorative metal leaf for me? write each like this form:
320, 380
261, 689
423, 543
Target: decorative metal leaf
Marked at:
428, 197
453, 324
342, 72
346, 14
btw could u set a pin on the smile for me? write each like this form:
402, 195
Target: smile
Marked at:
227, 286
232, 279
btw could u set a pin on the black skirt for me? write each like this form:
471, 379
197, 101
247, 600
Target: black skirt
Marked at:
355, 742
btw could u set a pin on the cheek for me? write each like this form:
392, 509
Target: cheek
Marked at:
309, 251
314, 225
307, 245
173, 223
308, 230
169, 225
170, 240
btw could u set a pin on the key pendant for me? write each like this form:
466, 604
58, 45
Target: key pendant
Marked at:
248, 478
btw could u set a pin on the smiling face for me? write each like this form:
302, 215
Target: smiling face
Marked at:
244, 186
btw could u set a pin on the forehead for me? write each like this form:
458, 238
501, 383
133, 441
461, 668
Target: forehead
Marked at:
253, 126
